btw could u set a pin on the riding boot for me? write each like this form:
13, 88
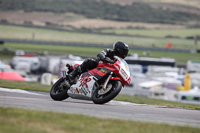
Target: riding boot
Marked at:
74, 75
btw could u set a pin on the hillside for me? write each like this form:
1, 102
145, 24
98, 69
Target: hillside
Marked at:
145, 12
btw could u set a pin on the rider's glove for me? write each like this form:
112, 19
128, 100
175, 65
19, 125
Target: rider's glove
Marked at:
108, 60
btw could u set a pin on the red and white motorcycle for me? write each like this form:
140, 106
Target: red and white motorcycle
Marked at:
100, 85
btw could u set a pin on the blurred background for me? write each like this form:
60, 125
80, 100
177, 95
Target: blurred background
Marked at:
40, 36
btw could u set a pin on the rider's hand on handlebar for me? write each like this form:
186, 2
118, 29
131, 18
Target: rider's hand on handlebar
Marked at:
108, 60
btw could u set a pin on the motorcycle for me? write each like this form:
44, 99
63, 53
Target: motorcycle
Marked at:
100, 84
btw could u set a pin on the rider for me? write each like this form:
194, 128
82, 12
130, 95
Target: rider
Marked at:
119, 49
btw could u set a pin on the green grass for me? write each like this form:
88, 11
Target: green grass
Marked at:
25, 121
150, 101
180, 57
34, 86
156, 32
53, 48
6, 55
127, 98
92, 51
53, 35
16, 32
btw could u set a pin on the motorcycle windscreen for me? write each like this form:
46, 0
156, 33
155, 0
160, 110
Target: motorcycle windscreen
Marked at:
99, 72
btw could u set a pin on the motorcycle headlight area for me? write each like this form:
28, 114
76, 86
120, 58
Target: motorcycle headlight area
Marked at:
124, 74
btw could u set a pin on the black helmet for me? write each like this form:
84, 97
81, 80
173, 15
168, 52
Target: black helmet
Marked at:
121, 49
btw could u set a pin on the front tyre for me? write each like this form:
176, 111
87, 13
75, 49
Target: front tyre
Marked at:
114, 91
59, 91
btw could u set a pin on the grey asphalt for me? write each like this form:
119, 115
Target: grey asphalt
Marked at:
113, 109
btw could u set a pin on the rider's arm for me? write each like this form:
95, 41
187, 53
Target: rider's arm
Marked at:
105, 55
102, 55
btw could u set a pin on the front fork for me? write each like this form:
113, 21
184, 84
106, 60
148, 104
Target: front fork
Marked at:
65, 82
105, 88
107, 80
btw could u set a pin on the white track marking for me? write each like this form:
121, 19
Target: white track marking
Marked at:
18, 91
113, 102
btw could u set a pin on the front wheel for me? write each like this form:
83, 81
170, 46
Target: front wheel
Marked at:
59, 91
99, 98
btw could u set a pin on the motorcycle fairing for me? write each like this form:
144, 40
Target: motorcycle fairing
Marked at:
83, 86
85, 83
100, 72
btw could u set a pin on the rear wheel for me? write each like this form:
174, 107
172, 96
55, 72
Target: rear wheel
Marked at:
114, 88
59, 90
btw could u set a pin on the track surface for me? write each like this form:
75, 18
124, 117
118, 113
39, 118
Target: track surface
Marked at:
113, 109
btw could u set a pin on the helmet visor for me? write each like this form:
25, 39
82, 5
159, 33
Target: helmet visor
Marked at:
124, 53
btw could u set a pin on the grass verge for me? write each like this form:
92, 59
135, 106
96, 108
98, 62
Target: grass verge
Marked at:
33, 86
23, 121
151, 101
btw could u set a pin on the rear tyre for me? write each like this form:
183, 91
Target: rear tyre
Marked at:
59, 91
114, 91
